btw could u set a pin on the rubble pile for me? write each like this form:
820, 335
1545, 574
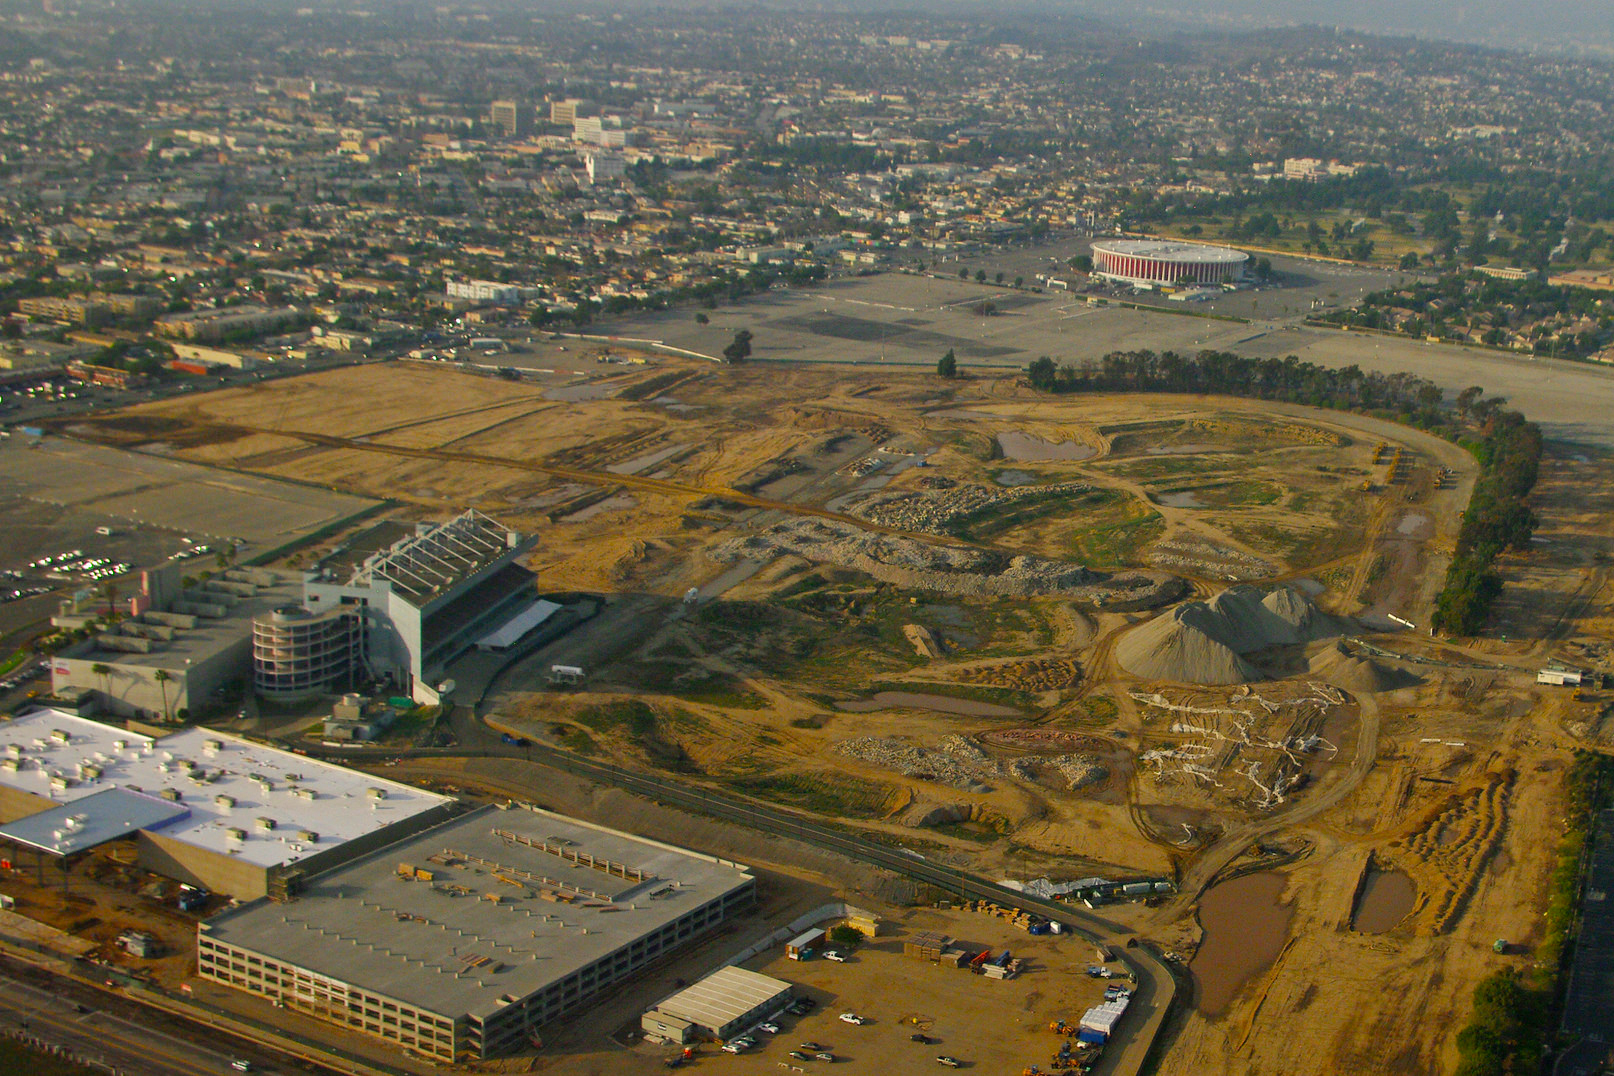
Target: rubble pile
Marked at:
934, 512
959, 762
958, 570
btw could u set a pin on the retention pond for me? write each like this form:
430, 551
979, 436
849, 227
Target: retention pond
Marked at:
1387, 897
1245, 930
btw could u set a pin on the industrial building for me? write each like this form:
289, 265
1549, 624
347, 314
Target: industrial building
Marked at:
1149, 262
183, 641
720, 1006
462, 941
397, 603
203, 807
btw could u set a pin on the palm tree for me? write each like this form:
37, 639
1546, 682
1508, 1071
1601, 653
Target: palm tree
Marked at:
104, 671
162, 677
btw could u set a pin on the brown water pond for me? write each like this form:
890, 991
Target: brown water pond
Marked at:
1023, 446
1245, 930
1386, 898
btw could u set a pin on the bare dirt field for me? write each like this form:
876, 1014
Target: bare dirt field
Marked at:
911, 600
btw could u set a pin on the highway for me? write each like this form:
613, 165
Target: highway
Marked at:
102, 1039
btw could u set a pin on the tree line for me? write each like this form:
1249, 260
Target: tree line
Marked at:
1507, 447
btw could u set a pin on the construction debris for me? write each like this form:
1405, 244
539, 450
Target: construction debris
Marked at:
935, 512
960, 763
961, 570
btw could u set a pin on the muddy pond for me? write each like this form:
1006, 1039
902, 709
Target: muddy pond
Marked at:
1245, 930
941, 704
1387, 897
1028, 449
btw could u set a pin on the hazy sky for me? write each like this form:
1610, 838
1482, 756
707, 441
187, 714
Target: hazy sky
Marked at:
1580, 25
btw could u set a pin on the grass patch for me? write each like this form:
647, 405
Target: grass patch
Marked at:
1100, 709
976, 832
994, 519
1245, 493
823, 793
632, 715
579, 741
15, 1057
1123, 527
977, 446
996, 696
1299, 545
690, 682
1151, 468
13, 661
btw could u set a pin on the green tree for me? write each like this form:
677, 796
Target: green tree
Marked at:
162, 677
846, 936
104, 671
947, 365
739, 348
980, 276
702, 319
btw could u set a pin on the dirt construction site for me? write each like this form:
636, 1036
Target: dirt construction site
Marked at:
1106, 637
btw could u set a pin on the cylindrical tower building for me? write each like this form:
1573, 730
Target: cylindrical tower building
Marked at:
297, 653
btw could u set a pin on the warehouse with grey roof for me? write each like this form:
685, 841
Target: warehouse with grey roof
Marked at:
462, 941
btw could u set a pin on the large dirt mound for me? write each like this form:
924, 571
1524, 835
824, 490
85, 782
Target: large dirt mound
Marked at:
1363, 676
1204, 642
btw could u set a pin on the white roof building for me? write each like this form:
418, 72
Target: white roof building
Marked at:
250, 810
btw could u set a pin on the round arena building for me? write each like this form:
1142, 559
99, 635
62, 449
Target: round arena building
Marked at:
1156, 261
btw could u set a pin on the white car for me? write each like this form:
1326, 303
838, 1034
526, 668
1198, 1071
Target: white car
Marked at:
769, 1026
732, 1047
853, 1018
831, 954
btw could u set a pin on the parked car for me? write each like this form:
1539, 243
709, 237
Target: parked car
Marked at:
853, 1018
950, 1062
834, 955
769, 1026
799, 1056
824, 1055
921, 1037
809, 1046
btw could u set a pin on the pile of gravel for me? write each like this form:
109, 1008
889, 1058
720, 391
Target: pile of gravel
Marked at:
1203, 642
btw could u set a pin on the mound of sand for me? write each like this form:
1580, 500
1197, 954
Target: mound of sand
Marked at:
1204, 642
1362, 676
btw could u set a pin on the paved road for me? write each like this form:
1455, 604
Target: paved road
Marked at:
103, 1039
1589, 1000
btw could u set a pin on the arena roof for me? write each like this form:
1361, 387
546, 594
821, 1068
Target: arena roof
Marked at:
1171, 251
256, 803
476, 930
